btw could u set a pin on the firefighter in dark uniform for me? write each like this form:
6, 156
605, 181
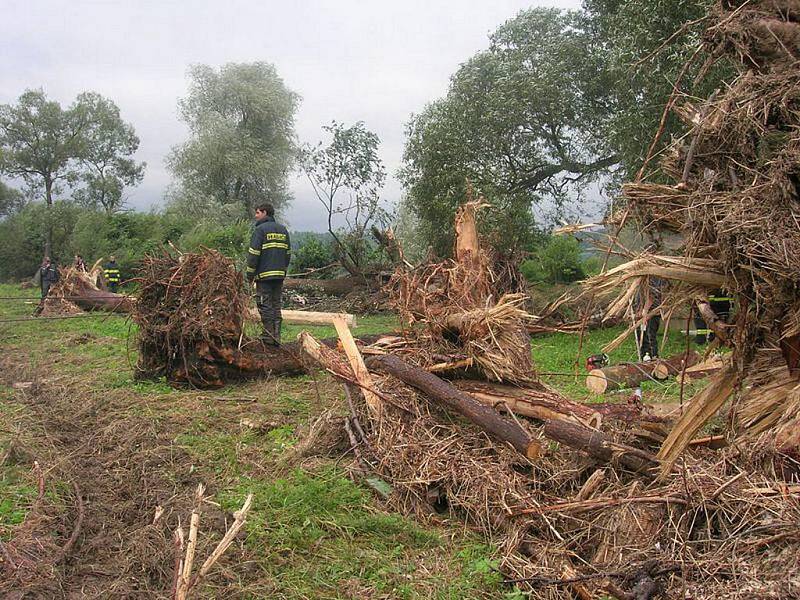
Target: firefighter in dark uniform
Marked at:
48, 275
720, 303
267, 261
111, 273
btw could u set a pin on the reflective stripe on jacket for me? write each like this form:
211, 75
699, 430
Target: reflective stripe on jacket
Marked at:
111, 272
269, 251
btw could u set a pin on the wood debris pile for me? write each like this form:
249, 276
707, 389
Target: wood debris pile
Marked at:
735, 198
570, 497
466, 313
77, 291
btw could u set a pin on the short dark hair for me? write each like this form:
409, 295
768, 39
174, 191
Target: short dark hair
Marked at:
267, 208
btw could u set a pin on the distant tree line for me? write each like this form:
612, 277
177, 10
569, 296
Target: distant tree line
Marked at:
560, 102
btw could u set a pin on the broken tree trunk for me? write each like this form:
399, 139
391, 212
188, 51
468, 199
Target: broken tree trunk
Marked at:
341, 286
545, 404
598, 445
630, 375
446, 393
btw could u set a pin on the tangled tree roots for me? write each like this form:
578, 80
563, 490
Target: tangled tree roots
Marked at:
191, 323
465, 311
735, 199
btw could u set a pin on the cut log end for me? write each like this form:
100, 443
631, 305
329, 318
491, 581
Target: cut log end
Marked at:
596, 381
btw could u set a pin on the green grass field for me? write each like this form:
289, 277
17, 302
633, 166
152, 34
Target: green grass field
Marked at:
313, 532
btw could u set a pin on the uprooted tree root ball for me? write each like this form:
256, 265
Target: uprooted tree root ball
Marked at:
190, 315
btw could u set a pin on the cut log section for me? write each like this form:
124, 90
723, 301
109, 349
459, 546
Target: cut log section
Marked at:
446, 393
359, 368
630, 375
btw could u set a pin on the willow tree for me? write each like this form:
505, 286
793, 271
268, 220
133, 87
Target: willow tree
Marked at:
241, 148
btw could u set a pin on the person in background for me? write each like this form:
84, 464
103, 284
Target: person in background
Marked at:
647, 334
267, 260
111, 273
48, 275
79, 263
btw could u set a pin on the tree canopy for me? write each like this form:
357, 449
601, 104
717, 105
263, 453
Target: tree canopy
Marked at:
559, 101
347, 176
50, 147
523, 121
108, 147
242, 143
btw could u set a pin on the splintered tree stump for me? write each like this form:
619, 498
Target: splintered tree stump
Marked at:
601, 447
446, 393
630, 375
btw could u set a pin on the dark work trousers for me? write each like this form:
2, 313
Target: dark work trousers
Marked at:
648, 337
112, 286
45, 288
268, 301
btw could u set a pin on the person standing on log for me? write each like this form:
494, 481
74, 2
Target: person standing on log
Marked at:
111, 273
48, 275
267, 260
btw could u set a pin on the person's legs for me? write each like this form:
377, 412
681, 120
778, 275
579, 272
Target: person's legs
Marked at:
651, 335
275, 299
268, 300
701, 329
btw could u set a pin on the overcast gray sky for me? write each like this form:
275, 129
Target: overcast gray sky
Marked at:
350, 60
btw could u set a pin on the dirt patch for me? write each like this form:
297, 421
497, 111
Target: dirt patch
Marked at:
115, 481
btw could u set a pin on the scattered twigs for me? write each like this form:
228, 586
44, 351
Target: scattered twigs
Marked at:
600, 503
183, 580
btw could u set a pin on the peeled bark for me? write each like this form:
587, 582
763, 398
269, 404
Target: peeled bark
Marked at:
446, 393
545, 404
599, 446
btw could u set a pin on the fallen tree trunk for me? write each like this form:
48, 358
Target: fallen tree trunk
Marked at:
544, 404
341, 286
599, 446
630, 375
106, 301
446, 393
213, 366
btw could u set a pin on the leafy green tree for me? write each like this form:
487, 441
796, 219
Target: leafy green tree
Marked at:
241, 148
109, 144
556, 261
41, 142
523, 121
347, 176
313, 252
648, 43
10, 200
